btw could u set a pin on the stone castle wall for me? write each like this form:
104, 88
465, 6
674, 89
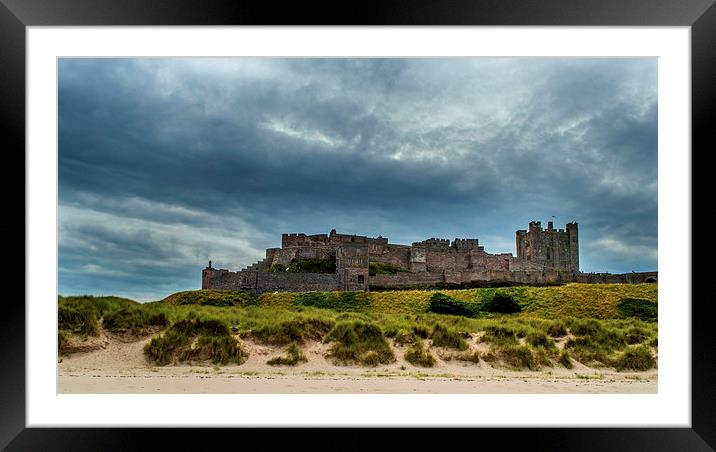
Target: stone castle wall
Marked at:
543, 256
406, 279
396, 255
260, 281
520, 277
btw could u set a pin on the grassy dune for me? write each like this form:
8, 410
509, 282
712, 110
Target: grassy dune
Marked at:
571, 300
360, 327
211, 298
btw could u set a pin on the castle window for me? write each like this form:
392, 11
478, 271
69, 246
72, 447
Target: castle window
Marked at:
361, 279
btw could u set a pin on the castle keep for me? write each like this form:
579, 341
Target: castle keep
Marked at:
543, 256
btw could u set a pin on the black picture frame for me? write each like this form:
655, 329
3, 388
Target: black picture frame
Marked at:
700, 15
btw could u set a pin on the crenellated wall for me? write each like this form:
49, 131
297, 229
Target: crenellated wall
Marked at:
543, 256
331, 239
548, 248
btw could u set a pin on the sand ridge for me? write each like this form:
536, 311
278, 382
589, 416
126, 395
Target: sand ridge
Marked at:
118, 365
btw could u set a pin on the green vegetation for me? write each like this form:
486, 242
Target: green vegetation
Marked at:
557, 329
538, 349
403, 331
500, 301
63, 340
210, 327
597, 301
499, 336
306, 266
565, 360
357, 342
276, 268
133, 321
80, 315
445, 337
294, 355
444, 304
294, 330
636, 335
213, 298
588, 322
471, 356
380, 268
81, 320
539, 339
489, 302
100, 305
418, 355
401, 337
195, 340
636, 358
339, 301
598, 343
518, 357
637, 308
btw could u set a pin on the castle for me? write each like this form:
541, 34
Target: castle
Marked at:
543, 256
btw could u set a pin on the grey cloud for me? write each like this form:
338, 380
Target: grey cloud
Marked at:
404, 148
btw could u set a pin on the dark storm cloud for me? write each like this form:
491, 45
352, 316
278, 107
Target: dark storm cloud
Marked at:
165, 163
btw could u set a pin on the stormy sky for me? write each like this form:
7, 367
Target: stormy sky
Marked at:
166, 163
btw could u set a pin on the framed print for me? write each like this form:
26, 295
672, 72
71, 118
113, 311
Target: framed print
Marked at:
192, 164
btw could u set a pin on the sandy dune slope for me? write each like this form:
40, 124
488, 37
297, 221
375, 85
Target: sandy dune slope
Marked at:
119, 366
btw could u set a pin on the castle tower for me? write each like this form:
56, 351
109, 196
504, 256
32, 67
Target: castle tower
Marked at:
573, 234
554, 249
352, 265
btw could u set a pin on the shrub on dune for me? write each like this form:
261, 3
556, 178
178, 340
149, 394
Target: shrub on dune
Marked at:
518, 357
501, 302
557, 329
293, 330
195, 340
565, 360
78, 320
294, 355
637, 308
637, 358
133, 320
418, 355
444, 304
358, 342
445, 337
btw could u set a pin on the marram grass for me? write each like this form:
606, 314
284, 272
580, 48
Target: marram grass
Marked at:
583, 318
598, 301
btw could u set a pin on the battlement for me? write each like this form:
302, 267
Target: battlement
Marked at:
301, 239
540, 252
550, 248
465, 244
433, 243
332, 239
535, 226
